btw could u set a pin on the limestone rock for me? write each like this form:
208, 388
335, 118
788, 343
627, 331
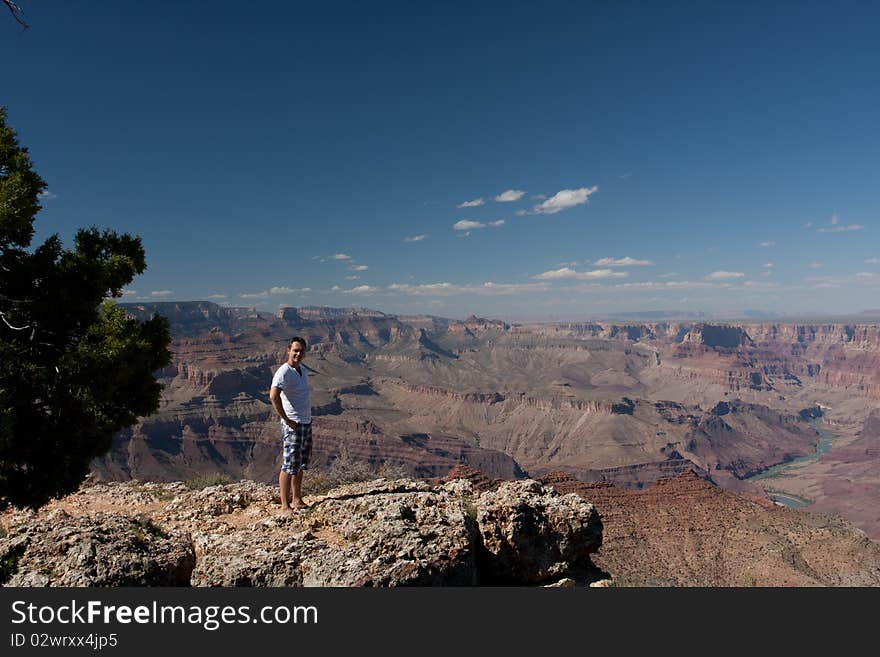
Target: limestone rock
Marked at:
532, 533
107, 549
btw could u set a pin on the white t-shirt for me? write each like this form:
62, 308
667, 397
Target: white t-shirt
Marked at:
294, 393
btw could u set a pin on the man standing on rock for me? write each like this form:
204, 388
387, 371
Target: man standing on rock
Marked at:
290, 398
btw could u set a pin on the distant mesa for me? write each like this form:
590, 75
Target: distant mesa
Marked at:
715, 336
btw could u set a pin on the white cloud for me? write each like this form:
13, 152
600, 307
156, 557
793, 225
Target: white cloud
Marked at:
335, 288
46, 195
352, 278
340, 256
509, 196
255, 295
414, 238
568, 273
809, 224
872, 261
834, 226
129, 293
768, 244
216, 296
621, 262
161, 293
768, 265
358, 268
564, 199
669, 275
815, 265
486, 289
840, 228
868, 276
362, 289
724, 275
467, 224
760, 285
288, 290
471, 204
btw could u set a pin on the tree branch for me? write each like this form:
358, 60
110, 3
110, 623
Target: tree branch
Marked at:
17, 12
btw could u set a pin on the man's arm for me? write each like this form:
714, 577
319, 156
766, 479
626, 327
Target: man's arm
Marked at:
275, 398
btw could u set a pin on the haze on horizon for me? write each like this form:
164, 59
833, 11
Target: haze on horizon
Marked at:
504, 160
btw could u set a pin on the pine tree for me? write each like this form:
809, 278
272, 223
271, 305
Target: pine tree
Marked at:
74, 368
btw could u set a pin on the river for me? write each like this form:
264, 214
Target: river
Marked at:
826, 438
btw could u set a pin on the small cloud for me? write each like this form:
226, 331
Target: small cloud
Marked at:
768, 244
768, 265
466, 224
834, 226
352, 278
216, 296
569, 273
130, 293
46, 195
161, 293
335, 288
362, 289
254, 295
868, 276
509, 196
621, 262
840, 228
626, 175
471, 204
521, 213
724, 275
815, 265
288, 290
414, 238
564, 199
809, 224
671, 274
340, 256
358, 268
872, 261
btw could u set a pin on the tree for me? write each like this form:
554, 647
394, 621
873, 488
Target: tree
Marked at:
16, 12
74, 368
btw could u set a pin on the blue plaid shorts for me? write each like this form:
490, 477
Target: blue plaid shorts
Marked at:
297, 446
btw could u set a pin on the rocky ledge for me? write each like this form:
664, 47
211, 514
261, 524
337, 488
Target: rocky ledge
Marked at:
378, 533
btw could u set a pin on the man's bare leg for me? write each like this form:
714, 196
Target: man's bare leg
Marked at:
284, 485
298, 502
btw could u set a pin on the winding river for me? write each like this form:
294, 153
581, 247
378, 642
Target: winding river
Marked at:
826, 438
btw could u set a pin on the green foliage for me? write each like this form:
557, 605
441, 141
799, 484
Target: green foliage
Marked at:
74, 368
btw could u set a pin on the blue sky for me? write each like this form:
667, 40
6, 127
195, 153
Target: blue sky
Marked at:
516, 159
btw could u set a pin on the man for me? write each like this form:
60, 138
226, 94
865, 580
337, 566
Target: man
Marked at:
289, 395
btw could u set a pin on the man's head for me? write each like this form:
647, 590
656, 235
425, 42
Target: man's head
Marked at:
296, 351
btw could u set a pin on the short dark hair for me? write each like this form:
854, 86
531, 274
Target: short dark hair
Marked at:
296, 338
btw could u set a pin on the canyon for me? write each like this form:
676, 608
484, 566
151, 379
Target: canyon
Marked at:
626, 404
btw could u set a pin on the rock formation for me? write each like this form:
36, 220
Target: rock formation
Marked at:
378, 533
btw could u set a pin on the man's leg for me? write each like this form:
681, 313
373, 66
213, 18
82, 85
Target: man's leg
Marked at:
298, 502
284, 485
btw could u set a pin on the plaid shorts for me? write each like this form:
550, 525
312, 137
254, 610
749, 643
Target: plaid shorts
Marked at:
297, 444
